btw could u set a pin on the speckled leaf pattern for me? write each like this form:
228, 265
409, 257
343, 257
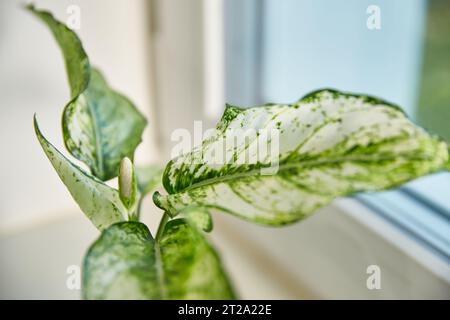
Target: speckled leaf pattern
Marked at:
99, 202
198, 217
127, 263
100, 126
192, 268
122, 264
331, 144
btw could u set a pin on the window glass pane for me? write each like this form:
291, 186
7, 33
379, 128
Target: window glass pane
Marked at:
434, 102
318, 43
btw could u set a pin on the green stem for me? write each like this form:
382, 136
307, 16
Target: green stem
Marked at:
138, 209
165, 218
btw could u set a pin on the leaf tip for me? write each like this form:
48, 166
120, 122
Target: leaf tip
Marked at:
156, 199
28, 6
161, 202
36, 126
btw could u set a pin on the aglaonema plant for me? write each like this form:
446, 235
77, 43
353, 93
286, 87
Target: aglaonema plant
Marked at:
330, 144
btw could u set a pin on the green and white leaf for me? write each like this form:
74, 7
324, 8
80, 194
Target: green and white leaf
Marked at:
99, 202
331, 144
192, 268
100, 125
127, 263
121, 264
198, 217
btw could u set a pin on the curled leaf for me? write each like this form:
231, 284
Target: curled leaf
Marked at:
329, 144
99, 202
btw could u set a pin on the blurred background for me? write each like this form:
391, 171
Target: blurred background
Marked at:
179, 61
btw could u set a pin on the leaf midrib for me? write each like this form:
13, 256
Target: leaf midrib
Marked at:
97, 138
254, 172
160, 271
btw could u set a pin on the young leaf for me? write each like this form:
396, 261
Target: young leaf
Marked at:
127, 263
330, 144
128, 189
100, 126
198, 217
99, 202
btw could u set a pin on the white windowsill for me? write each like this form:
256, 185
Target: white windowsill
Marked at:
368, 219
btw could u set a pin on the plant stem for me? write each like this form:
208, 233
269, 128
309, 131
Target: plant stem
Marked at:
138, 210
165, 218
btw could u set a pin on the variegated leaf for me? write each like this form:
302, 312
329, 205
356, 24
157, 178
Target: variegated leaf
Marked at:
198, 217
192, 268
99, 202
100, 125
330, 144
127, 263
